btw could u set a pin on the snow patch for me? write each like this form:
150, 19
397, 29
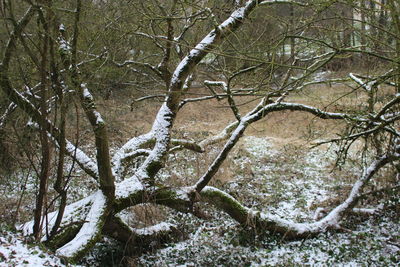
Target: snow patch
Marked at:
127, 187
15, 252
151, 230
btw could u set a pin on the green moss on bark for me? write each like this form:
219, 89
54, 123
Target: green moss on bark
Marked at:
227, 203
64, 236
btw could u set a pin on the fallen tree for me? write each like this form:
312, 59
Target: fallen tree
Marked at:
82, 224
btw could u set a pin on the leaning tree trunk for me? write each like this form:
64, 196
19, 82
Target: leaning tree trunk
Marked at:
111, 197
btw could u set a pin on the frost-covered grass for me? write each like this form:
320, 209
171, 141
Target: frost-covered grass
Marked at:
222, 243
18, 190
14, 251
366, 245
289, 182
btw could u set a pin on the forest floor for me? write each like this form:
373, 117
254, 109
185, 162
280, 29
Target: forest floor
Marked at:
291, 182
272, 169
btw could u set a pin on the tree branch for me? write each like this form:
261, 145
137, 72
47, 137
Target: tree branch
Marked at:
292, 230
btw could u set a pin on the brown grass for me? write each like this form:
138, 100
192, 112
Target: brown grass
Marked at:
199, 119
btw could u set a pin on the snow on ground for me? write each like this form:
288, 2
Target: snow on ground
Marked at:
290, 183
14, 251
293, 182
221, 243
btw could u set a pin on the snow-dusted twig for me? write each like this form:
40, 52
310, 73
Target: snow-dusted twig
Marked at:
381, 79
366, 85
82, 159
388, 105
10, 109
144, 64
225, 86
191, 20
292, 2
223, 135
129, 148
319, 56
12, 106
149, 97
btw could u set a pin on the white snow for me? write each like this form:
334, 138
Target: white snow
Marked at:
86, 93
73, 212
160, 227
321, 76
99, 119
160, 130
259, 147
89, 229
365, 85
129, 148
159, 133
127, 187
82, 158
206, 42
64, 45
14, 251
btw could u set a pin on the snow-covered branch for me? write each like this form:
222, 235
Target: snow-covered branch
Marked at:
223, 135
186, 144
166, 115
137, 63
140, 238
84, 161
130, 148
366, 85
289, 229
90, 231
106, 176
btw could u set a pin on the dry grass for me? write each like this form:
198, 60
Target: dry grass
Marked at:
145, 215
199, 119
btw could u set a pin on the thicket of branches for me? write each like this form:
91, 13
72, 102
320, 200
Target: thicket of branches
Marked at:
57, 54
